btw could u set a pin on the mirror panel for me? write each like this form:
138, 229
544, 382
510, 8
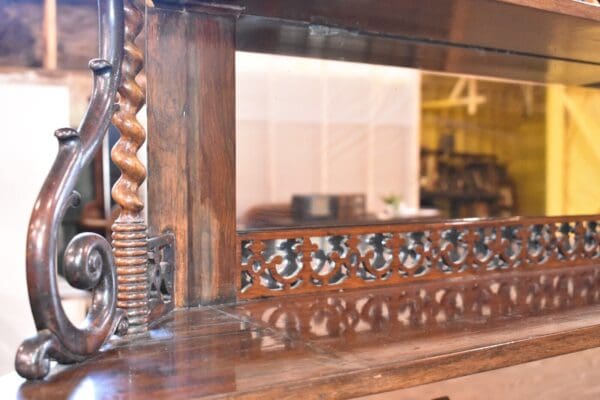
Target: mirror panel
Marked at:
332, 143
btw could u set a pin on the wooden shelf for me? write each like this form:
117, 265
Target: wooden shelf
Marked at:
341, 343
514, 25
545, 41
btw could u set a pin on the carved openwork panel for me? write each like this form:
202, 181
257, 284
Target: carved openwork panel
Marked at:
303, 260
161, 265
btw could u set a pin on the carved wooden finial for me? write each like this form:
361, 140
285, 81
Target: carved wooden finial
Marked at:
130, 242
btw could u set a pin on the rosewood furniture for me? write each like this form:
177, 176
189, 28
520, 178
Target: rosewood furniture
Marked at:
186, 306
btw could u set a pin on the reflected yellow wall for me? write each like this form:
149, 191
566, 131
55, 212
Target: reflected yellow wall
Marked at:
511, 125
573, 156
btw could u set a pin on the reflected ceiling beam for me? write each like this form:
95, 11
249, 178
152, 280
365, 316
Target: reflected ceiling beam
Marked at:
50, 35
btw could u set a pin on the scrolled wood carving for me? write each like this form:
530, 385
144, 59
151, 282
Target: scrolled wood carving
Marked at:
88, 259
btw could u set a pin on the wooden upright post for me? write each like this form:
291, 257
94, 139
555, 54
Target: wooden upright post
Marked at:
191, 146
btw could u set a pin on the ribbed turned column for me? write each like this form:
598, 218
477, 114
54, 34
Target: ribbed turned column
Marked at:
129, 232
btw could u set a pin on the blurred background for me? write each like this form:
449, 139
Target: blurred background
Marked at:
44, 85
318, 143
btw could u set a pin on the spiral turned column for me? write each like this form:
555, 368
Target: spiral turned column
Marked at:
129, 232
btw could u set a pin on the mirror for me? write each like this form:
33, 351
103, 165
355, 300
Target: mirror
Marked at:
330, 143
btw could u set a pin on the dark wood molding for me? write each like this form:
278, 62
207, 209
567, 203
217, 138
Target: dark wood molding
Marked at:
528, 27
572, 8
272, 36
550, 41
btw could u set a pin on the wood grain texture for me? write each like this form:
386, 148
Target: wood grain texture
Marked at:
191, 148
331, 346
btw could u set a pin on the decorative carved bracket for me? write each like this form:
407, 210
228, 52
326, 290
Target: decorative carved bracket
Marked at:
131, 282
88, 259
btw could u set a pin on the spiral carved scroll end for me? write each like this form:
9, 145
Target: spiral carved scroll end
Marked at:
34, 356
89, 265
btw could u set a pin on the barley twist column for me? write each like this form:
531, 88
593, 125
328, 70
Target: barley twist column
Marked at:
129, 232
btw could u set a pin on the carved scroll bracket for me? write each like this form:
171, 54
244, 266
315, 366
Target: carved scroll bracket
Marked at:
88, 260
131, 282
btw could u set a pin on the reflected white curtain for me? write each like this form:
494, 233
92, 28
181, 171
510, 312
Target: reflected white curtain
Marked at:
308, 126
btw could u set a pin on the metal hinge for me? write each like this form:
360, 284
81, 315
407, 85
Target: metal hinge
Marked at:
161, 272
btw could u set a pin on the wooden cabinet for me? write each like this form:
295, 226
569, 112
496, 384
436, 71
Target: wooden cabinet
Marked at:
318, 312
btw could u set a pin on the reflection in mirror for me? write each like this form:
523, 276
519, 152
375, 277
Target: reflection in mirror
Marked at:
330, 143
434, 307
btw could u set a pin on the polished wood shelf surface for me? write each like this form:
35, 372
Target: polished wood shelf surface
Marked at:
343, 345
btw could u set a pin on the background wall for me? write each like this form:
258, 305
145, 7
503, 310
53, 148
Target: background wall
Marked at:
22, 39
573, 156
33, 106
307, 126
27, 151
